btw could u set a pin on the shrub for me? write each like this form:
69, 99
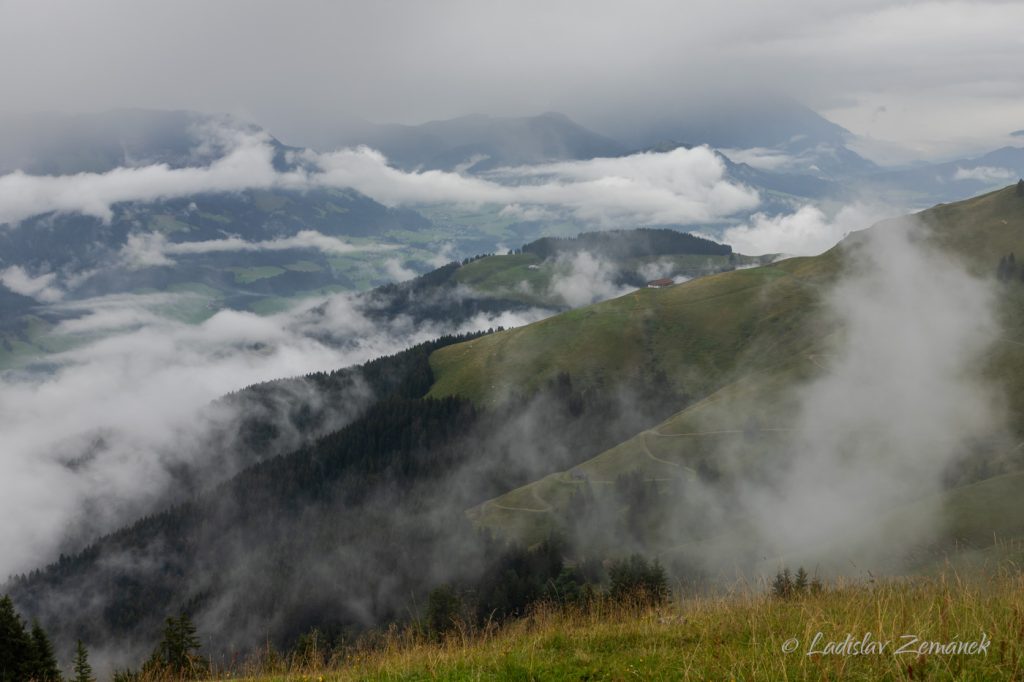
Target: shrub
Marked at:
444, 611
637, 579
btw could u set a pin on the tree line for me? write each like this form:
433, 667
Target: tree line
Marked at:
638, 243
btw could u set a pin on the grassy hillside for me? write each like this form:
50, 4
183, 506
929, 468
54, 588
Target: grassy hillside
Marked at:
739, 636
271, 282
697, 334
739, 343
711, 326
531, 279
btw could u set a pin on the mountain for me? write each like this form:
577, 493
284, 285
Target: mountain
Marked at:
951, 180
253, 250
250, 249
555, 274
634, 424
478, 142
802, 141
60, 144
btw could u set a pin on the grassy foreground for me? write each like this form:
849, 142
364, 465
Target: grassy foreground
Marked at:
738, 636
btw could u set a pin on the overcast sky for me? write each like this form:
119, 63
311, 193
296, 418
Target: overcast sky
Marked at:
937, 77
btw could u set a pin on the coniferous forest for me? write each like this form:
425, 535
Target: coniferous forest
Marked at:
333, 536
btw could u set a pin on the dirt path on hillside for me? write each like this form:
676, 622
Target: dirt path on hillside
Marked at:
643, 441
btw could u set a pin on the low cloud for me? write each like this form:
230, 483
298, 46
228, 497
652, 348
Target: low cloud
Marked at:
93, 439
807, 232
984, 174
41, 287
152, 248
761, 158
900, 400
396, 271
444, 256
661, 268
583, 278
249, 165
679, 186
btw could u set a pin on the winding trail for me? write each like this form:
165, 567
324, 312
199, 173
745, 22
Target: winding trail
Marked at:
647, 449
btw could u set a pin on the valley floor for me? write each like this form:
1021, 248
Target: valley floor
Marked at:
738, 636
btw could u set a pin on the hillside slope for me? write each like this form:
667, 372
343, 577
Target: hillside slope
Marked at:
647, 423
743, 345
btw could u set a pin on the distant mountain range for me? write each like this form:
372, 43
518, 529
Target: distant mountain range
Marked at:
948, 181
807, 161
478, 143
59, 144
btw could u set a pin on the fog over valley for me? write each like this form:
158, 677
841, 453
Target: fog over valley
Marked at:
471, 340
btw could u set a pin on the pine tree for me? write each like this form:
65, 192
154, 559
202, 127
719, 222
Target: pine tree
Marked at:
444, 609
44, 662
801, 582
15, 645
83, 671
178, 651
637, 579
1020, 188
783, 585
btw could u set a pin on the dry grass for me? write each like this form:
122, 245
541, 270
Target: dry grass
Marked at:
734, 636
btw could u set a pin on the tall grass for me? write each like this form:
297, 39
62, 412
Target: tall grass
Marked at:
735, 635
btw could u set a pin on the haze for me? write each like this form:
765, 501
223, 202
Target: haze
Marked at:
904, 76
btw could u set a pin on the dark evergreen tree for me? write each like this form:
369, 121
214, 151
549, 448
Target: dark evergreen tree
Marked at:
636, 579
44, 662
15, 645
178, 651
83, 671
782, 587
801, 581
1020, 188
444, 611
569, 588
517, 579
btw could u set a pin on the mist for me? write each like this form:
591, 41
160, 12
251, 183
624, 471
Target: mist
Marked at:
98, 433
900, 402
871, 67
679, 186
844, 471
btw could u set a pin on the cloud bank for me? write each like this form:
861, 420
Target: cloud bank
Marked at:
41, 287
680, 186
932, 65
984, 174
152, 248
807, 232
899, 402
134, 404
583, 278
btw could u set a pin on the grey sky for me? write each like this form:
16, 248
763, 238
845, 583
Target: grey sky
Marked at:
937, 77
